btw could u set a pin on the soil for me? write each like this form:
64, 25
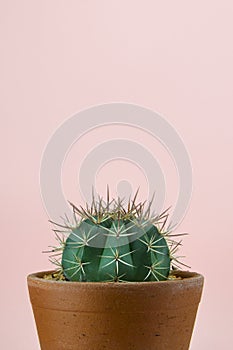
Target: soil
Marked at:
58, 276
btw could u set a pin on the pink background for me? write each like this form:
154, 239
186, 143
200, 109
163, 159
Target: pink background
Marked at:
58, 57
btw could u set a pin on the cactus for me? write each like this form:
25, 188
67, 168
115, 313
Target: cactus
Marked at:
109, 242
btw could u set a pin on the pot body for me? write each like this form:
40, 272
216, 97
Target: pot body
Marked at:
115, 316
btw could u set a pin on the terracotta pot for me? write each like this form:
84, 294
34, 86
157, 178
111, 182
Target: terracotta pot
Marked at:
115, 316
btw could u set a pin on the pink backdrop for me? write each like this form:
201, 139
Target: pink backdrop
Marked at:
58, 57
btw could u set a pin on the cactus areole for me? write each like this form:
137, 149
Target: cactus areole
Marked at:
110, 241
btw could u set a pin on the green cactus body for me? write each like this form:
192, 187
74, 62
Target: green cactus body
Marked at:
116, 249
111, 242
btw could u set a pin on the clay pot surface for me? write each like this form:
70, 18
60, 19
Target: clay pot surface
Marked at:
114, 315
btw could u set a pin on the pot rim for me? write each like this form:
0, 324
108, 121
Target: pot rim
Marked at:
186, 276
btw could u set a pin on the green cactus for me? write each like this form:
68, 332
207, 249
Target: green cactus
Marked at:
109, 242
